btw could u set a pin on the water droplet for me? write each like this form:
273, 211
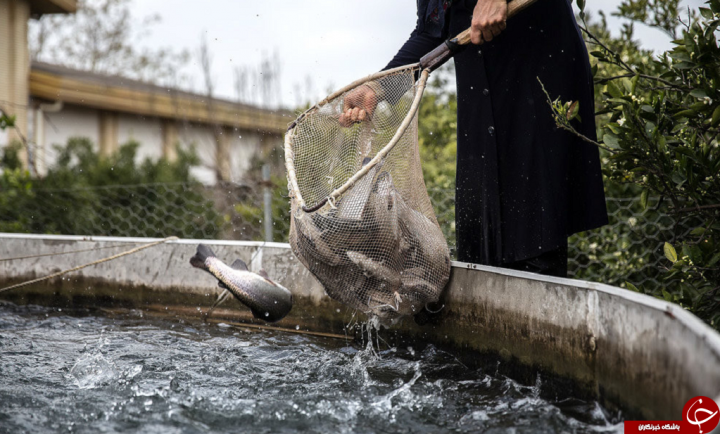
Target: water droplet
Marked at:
297, 327
267, 314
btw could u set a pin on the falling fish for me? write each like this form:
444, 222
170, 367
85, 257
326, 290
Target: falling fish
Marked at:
267, 300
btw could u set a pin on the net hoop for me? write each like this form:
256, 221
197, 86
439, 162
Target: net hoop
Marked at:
289, 137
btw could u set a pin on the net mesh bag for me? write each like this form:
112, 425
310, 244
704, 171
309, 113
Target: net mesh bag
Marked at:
362, 221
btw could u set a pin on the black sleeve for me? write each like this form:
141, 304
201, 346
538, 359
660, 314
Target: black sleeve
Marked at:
418, 45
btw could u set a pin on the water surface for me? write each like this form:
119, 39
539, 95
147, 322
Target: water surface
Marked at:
73, 372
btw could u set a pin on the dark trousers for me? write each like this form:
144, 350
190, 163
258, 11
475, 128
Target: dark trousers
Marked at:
551, 263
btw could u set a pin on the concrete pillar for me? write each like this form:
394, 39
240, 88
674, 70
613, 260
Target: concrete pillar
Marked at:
169, 139
223, 164
14, 67
39, 140
108, 132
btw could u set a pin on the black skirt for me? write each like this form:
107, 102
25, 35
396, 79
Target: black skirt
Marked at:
522, 185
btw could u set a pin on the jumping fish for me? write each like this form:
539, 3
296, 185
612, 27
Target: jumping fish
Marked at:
268, 300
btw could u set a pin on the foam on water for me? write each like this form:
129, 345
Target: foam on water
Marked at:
73, 373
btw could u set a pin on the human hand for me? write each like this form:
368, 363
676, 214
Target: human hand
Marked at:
488, 21
358, 106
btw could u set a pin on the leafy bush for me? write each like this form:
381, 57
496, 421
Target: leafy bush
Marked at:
83, 194
660, 120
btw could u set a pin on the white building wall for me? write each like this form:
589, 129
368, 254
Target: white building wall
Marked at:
75, 121
71, 121
146, 131
244, 145
203, 139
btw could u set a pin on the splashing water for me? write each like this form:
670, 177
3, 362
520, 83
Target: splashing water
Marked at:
62, 373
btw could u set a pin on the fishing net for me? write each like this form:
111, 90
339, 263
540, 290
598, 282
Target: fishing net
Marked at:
362, 221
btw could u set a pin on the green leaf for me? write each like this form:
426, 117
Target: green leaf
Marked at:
649, 128
714, 5
622, 101
644, 199
631, 287
698, 93
697, 231
686, 114
613, 90
611, 140
670, 252
714, 260
693, 252
678, 179
716, 116
628, 84
685, 66
706, 13
666, 295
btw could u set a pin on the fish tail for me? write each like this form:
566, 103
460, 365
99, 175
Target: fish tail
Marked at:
203, 252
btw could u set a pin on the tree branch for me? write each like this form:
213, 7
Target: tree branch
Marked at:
696, 208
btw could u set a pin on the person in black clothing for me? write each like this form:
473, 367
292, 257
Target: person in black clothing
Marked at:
522, 185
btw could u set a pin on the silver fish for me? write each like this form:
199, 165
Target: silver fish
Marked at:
268, 300
353, 203
375, 269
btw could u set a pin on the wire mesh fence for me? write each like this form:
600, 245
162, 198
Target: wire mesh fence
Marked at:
629, 249
188, 210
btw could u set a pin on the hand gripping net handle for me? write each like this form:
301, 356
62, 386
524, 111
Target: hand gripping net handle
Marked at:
428, 63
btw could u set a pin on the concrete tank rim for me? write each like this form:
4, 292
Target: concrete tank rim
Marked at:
686, 317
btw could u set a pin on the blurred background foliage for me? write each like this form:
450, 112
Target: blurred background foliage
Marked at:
659, 124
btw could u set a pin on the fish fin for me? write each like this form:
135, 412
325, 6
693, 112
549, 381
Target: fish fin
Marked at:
224, 296
239, 264
203, 252
264, 274
222, 284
